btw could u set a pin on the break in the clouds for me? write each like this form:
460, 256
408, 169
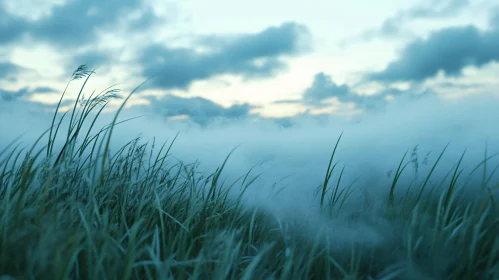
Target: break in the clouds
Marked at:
199, 110
448, 50
249, 56
73, 23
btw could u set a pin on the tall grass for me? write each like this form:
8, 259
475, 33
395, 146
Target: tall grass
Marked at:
82, 212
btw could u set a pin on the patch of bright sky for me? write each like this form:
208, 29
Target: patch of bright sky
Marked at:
40, 58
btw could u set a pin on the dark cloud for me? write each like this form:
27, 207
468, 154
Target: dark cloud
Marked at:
283, 39
74, 23
11, 28
77, 24
12, 100
9, 95
177, 68
323, 88
44, 90
8, 69
21, 96
199, 110
449, 50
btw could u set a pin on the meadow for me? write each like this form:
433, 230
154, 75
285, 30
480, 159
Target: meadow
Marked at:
81, 211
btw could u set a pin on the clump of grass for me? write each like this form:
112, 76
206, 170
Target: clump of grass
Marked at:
82, 212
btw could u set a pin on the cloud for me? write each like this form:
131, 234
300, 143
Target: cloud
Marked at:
177, 68
393, 26
74, 23
21, 96
287, 101
324, 88
11, 28
449, 50
436, 9
199, 110
206, 113
12, 95
8, 69
494, 19
44, 90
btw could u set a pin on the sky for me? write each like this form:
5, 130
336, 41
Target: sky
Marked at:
279, 80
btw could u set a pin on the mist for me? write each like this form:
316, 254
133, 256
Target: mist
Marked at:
294, 160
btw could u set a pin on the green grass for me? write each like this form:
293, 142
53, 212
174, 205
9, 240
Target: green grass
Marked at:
82, 212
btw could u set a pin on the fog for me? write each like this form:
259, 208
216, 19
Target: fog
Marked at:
296, 157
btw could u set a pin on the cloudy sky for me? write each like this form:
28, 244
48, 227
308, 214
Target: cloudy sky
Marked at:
281, 78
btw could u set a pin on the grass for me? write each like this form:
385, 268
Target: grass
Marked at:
82, 212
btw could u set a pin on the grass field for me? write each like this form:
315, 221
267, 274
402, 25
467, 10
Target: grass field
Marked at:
82, 212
